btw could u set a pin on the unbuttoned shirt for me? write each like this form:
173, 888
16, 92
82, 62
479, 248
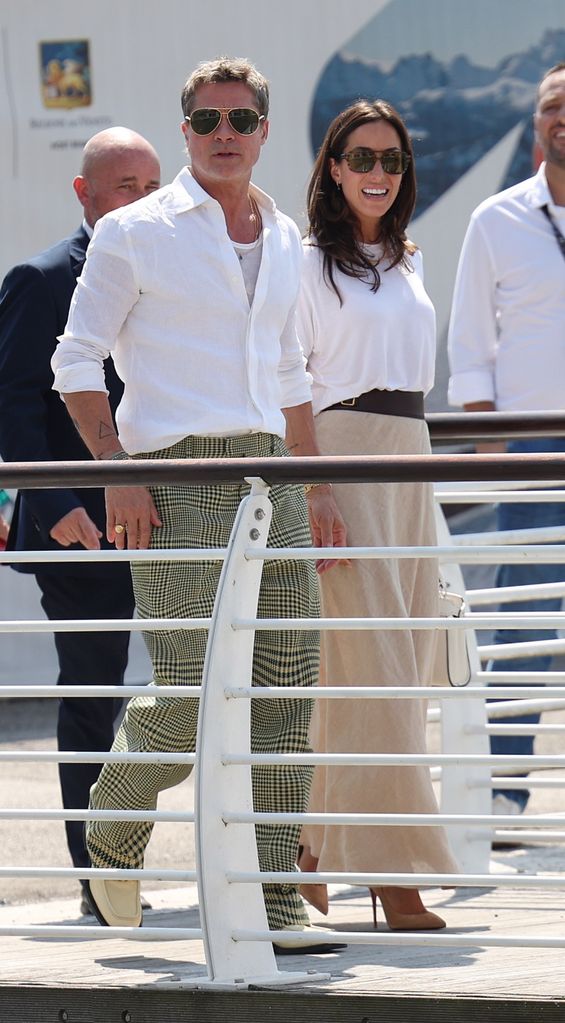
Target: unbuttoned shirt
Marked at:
163, 291
507, 331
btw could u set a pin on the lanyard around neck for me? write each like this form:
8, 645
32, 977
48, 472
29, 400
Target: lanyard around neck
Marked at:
558, 236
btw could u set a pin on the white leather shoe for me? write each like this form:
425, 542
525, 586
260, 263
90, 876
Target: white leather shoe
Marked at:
290, 946
115, 903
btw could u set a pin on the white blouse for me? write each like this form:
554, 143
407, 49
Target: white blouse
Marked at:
383, 340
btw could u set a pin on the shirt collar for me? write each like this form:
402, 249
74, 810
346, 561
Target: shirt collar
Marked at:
86, 227
186, 194
538, 194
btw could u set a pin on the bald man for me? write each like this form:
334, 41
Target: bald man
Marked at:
118, 167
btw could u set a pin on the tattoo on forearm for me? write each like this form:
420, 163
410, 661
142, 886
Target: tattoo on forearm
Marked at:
105, 431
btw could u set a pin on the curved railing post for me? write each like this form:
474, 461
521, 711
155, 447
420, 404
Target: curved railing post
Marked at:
224, 726
463, 730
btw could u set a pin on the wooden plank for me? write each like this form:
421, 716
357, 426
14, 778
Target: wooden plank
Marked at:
509, 976
32, 1005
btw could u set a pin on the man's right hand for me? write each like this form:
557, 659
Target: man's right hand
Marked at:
131, 508
76, 527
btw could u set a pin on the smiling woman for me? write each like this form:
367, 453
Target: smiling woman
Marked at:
369, 173
368, 332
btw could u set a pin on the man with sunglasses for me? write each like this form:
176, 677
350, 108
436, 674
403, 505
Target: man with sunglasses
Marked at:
507, 352
194, 296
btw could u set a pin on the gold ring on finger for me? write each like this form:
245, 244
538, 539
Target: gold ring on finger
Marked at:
118, 528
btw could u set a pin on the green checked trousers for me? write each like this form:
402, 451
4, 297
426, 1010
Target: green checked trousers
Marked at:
203, 517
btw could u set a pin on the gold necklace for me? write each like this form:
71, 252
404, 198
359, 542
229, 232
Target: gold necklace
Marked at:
255, 218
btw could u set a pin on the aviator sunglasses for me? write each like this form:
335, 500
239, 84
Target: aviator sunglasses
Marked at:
243, 120
361, 160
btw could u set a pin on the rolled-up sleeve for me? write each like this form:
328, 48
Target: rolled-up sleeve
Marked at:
106, 292
295, 381
472, 340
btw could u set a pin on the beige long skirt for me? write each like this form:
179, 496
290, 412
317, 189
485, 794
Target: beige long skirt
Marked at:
377, 514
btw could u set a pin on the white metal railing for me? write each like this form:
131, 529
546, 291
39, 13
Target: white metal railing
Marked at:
227, 869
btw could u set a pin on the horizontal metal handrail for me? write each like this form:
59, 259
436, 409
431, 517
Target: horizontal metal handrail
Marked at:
104, 873
393, 759
112, 555
512, 620
414, 820
365, 879
166, 816
396, 938
481, 555
545, 534
490, 496
384, 692
452, 426
515, 729
94, 757
106, 624
318, 469
53, 692
495, 692
512, 782
503, 594
75, 931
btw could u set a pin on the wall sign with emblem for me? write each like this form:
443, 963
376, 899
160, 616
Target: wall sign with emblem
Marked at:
65, 74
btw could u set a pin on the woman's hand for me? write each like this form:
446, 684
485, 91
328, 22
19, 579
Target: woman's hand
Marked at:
327, 526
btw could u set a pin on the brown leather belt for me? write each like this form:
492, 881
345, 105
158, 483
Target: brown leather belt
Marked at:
387, 403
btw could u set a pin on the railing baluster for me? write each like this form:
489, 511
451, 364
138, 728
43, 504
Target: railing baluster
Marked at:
224, 725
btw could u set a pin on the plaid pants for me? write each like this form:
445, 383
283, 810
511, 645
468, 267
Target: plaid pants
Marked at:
203, 517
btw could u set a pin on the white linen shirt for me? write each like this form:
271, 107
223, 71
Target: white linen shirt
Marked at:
162, 290
507, 330
383, 340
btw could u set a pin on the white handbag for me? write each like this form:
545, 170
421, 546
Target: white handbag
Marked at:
451, 666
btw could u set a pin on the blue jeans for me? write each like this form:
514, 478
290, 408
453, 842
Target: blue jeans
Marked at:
522, 516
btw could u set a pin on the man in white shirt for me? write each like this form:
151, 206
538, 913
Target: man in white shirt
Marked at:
194, 297
507, 351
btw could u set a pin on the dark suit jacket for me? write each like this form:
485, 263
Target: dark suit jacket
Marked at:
34, 423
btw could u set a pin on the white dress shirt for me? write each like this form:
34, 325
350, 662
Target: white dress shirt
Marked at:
383, 340
507, 330
162, 291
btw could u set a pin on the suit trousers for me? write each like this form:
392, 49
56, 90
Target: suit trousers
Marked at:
524, 516
203, 517
86, 658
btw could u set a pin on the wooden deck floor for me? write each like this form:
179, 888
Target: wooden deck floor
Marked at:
83, 980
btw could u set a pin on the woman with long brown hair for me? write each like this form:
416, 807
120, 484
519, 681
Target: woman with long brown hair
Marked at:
368, 332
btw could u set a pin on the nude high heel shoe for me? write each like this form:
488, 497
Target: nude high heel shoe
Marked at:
315, 894
404, 910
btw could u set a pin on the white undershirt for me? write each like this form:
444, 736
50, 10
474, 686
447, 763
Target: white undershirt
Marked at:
249, 255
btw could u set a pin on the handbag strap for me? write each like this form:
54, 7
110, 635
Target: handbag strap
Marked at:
558, 236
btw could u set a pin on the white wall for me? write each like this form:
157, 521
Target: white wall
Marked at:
141, 54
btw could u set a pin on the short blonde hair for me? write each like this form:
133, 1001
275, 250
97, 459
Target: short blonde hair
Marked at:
226, 69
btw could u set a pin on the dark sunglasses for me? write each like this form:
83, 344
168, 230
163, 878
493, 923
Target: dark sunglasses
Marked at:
361, 161
243, 120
